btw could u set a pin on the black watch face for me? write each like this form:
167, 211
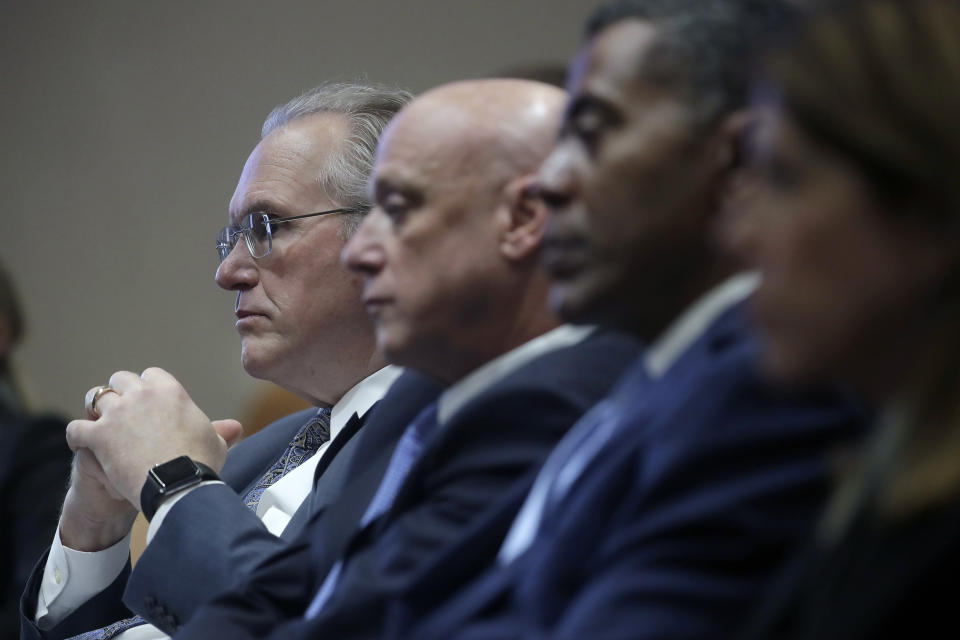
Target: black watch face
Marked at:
175, 471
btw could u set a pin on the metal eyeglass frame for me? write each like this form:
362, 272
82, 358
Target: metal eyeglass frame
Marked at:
227, 237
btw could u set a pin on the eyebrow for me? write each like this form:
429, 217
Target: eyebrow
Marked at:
258, 206
261, 205
383, 186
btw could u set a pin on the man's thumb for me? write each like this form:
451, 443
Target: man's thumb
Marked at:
230, 430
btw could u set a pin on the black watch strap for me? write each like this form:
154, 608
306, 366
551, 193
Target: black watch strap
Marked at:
170, 477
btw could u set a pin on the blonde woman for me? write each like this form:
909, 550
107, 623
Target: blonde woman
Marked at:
856, 229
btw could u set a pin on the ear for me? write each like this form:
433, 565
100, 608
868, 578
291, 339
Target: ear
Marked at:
733, 225
523, 218
730, 156
733, 136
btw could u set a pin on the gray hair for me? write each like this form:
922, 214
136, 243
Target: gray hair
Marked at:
703, 49
368, 108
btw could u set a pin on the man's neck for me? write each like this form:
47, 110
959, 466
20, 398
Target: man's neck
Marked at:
496, 369
329, 388
651, 315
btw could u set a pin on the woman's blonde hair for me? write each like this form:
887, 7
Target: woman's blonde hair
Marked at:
878, 81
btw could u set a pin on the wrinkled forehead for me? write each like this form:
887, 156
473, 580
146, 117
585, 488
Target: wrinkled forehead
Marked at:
279, 178
285, 168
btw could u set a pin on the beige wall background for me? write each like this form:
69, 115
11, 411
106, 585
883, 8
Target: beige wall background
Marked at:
124, 126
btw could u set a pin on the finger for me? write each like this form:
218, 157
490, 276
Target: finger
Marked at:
124, 381
156, 374
230, 430
88, 403
89, 464
94, 401
80, 434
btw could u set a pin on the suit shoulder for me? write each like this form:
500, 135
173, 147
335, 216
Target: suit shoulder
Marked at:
582, 373
281, 430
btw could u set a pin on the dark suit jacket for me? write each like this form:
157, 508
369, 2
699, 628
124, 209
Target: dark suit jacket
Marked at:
682, 519
883, 579
486, 453
210, 540
34, 472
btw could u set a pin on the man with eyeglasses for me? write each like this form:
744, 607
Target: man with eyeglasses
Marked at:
449, 255
302, 325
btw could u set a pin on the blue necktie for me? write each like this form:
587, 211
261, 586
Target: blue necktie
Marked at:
304, 444
408, 450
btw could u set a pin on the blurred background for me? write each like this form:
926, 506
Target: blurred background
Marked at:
124, 129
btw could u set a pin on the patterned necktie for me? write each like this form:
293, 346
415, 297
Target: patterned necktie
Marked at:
408, 450
305, 443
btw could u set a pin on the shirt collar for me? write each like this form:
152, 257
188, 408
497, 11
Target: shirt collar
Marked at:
695, 320
484, 377
361, 397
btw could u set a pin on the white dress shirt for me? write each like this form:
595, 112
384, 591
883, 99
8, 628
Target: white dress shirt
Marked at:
72, 577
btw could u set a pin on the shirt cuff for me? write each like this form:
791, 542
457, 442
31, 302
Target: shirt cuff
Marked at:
167, 504
72, 577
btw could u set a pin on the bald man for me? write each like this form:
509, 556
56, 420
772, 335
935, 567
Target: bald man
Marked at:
449, 259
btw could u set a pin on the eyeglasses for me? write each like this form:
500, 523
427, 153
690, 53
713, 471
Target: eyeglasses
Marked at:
257, 231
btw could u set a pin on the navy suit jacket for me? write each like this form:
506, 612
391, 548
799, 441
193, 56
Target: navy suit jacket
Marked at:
211, 540
682, 519
487, 452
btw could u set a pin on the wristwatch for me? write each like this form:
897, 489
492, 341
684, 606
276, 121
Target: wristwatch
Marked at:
168, 478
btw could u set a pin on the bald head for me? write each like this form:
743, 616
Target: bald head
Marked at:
455, 230
505, 126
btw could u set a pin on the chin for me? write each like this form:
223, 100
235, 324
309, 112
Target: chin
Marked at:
257, 365
569, 301
577, 302
391, 346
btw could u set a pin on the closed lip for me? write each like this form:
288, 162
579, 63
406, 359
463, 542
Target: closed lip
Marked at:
374, 303
246, 313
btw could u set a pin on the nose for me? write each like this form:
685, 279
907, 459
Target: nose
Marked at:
558, 179
364, 252
238, 271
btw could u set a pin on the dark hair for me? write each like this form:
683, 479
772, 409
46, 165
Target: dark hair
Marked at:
704, 49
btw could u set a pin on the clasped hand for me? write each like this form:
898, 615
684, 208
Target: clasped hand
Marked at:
146, 420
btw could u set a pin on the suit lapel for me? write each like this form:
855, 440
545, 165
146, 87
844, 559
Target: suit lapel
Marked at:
337, 524
336, 446
250, 459
334, 519
329, 478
